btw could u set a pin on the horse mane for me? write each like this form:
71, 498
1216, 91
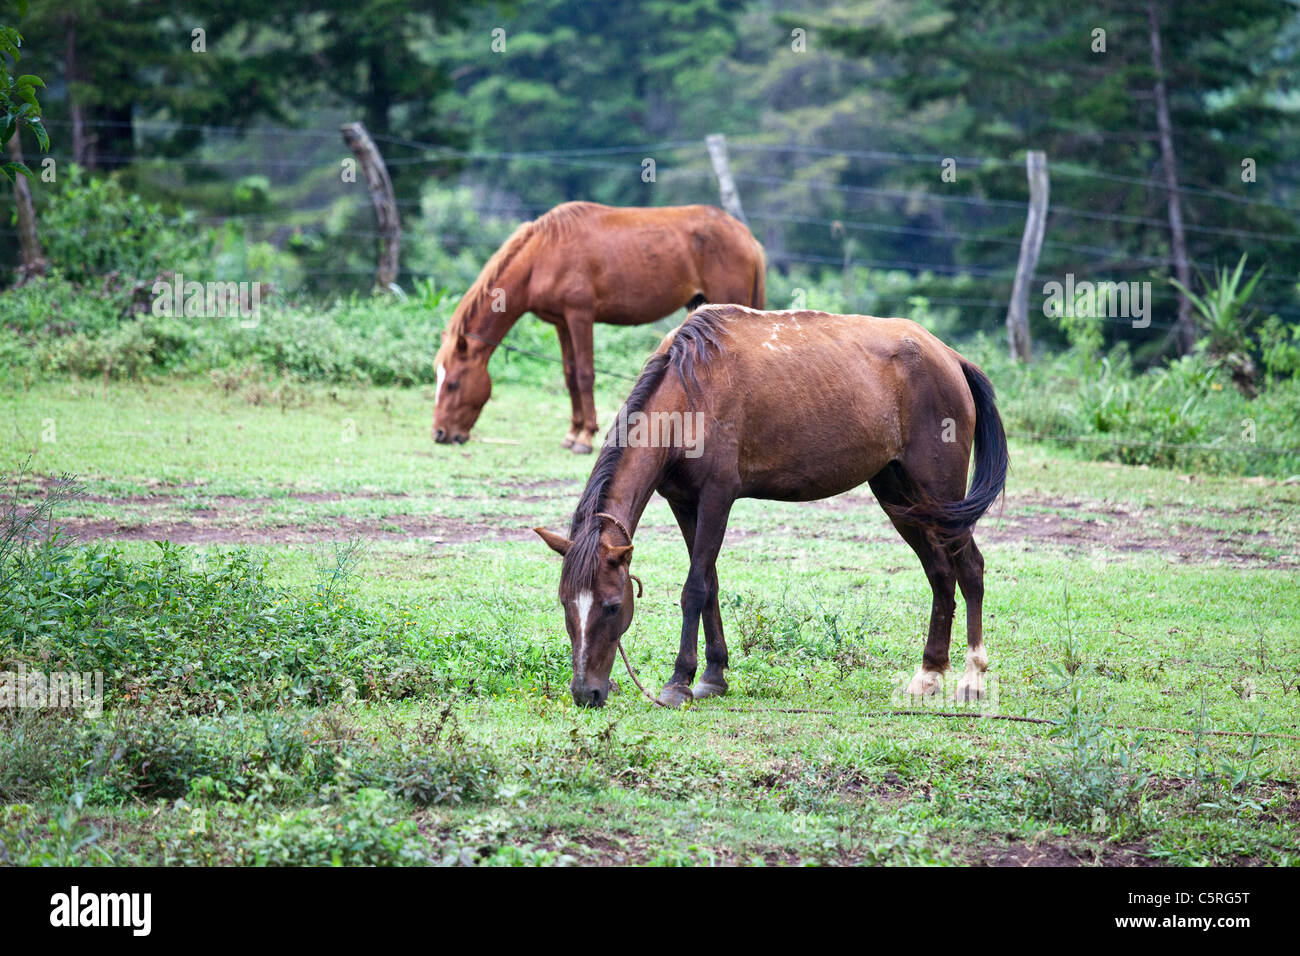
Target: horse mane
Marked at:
694, 342
549, 225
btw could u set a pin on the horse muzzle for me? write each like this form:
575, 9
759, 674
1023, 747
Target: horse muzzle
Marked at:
590, 695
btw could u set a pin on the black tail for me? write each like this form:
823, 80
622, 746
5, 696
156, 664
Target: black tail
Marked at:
697, 300
991, 462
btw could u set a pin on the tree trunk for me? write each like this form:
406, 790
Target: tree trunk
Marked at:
716, 143
29, 244
1031, 246
1184, 329
381, 197
71, 75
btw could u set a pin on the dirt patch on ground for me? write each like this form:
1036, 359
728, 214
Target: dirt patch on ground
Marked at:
1184, 535
1087, 527
1126, 532
1050, 853
201, 531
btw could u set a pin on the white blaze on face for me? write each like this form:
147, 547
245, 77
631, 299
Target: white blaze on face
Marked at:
442, 375
582, 608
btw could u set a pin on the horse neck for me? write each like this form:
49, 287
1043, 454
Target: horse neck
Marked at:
488, 327
639, 472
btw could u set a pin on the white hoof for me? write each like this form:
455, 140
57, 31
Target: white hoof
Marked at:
970, 687
925, 684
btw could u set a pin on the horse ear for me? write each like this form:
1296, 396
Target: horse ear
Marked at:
559, 545
462, 346
620, 555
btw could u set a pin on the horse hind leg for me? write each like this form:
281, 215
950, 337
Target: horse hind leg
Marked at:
942, 575
894, 489
970, 576
579, 322
571, 383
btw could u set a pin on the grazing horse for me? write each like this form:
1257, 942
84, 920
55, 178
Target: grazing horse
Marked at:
583, 263
790, 406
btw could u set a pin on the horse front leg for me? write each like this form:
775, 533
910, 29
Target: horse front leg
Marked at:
713, 682
700, 599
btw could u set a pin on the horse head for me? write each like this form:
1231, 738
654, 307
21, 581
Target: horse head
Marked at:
598, 600
463, 388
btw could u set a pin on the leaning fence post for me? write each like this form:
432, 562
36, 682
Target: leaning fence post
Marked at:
716, 143
381, 197
1031, 244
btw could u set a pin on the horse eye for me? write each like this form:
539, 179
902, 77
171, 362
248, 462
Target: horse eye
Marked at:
612, 609
451, 386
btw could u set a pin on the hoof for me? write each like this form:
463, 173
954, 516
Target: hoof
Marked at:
568, 442
925, 684
580, 448
970, 690
675, 695
703, 690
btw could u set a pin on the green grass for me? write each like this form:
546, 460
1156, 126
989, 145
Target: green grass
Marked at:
1175, 604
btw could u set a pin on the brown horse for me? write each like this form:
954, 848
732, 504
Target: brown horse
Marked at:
791, 406
583, 263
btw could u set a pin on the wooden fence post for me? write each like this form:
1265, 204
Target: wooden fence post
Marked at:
29, 243
1031, 244
716, 143
381, 197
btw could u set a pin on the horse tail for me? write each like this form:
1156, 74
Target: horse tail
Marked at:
759, 293
953, 518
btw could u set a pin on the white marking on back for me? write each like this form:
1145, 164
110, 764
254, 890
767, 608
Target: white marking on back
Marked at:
442, 375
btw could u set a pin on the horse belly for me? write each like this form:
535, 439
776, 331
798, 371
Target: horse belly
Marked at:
813, 463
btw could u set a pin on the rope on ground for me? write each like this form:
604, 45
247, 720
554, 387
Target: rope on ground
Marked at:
1141, 728
632, 674
1016, 718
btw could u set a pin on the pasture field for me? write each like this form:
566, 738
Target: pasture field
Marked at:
276, 695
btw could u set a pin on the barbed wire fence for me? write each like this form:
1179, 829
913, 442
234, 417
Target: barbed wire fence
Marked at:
692, 179
695, 168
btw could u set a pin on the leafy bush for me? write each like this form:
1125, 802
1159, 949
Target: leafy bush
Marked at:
364, 829
37, 754
431, 762
1280, 348
62, 838
200, 637
1093, 778
1185, 414
52, 306
92, 227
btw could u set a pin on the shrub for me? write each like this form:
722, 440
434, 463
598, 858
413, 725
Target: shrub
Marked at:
1093, 777
199, 637
364, 829
431, 762
92, 227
